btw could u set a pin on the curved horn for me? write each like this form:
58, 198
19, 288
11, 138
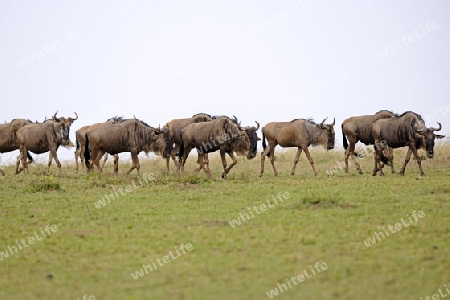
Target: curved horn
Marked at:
134, 117
76, 116
55, 118
258, 125
334, 122
235, 119
321, 124
436, 129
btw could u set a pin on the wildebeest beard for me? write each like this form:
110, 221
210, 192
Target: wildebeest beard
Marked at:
63, 136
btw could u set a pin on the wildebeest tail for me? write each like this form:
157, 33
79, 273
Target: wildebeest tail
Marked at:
384, 159
181, 152
30, 158
87, 153
77, 143
344, 139
264, 141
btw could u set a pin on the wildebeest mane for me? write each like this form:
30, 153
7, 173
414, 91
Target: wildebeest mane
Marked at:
389, 111
117, 119
201, 114
416, 114
18, 119
309, 120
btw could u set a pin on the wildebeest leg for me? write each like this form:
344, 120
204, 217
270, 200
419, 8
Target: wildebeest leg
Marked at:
167, 164
96, 154
348, 152
201, 163
377, 167
263, 157
23, 157
418, 159
55, 156
173, 154
389, 152
311, 161
135, 163
116, 164
18, 159
272, 160
297, 156
407, 158
206, 161
413, 150
105, 157
50, 158
231, 154
77, 154
183, 159
174, 158
351, 152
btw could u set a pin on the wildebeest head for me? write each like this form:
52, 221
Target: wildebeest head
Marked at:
329, 131
253, 139
62, 128
168, 141
428, 139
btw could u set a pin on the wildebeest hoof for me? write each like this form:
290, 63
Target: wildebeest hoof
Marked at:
361, 172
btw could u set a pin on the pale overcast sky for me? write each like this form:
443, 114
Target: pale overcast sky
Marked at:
259, 60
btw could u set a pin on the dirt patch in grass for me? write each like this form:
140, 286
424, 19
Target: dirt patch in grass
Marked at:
212, 223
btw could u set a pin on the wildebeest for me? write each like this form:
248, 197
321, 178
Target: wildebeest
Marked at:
41, 138
220, 134
429, 137
8, 139
359, 129
407, 129
176, 126
204, 156
50, 155
300, 133
80, 136
131, 135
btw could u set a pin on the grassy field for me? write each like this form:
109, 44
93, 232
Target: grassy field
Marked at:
327, 219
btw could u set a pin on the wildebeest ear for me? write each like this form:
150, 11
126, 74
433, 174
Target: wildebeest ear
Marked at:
438, 136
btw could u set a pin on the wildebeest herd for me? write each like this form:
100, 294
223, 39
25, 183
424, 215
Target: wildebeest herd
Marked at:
385, 130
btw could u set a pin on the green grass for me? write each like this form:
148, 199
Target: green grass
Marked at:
326, 219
